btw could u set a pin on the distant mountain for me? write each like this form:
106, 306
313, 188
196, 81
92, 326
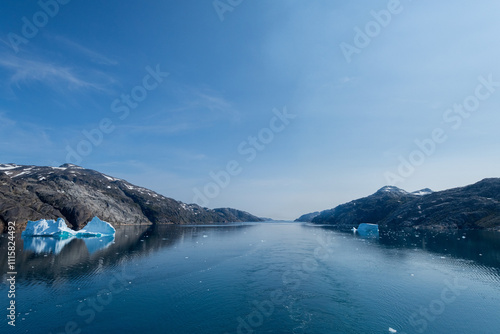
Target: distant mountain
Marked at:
77, 194
308, 217
238, 216
472, 207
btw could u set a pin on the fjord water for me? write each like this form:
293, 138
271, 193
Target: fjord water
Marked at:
273, 277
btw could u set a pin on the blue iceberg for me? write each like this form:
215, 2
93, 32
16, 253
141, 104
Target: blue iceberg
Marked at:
59, 229
48, 228
367, 230
51, 236
99, 227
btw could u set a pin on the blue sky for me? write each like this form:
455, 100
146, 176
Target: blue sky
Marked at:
354, 118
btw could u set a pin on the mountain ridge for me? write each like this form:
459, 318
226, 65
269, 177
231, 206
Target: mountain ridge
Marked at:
29, 192
475, 206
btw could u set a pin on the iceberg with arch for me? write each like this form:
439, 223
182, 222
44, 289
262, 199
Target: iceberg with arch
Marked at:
58, 229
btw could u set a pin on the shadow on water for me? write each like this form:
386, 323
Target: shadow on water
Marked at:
483, 247
48, 259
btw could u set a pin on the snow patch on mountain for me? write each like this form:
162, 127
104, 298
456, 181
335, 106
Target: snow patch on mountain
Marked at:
392, 189
422, 192
187, 207
110, 178
8, 166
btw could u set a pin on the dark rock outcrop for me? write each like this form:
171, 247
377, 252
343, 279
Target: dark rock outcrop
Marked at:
472, 207
77, 194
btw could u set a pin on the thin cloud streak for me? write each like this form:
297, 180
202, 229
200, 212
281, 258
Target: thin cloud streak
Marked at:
194, 99
94, 56
26, 71
161, 129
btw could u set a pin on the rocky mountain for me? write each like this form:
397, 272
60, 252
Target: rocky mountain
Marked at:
308, 217
77, 194
475, 206
234, 215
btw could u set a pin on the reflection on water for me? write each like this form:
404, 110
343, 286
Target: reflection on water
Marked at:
55, 244
213, 279
47, 258
45, 244
368, 235
95, 244
482, 247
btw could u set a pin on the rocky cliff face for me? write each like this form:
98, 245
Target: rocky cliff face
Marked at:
472, 207
77, 194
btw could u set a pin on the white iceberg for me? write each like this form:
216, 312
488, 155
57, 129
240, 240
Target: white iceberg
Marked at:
59, 229
48, 228
50, 236
97, 226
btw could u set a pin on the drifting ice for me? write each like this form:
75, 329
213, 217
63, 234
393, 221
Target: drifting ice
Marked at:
51, 228
45, 227
97, 226
367, 230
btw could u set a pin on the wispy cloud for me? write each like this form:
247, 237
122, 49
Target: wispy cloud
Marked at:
164, 129
5, 122
92, 55
24, 139
194, 99
26, 71
188, 109
214, 103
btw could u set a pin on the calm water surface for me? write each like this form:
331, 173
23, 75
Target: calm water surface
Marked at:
277, 277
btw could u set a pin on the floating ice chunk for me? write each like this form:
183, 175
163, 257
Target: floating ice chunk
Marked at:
49, 236
97, 226
367, 230
392, 330
51, 228
48, 228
